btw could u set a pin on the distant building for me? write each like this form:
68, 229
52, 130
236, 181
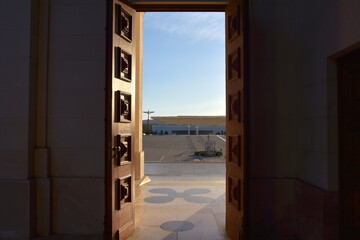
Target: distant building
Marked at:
147, 126
171, 129
189, 125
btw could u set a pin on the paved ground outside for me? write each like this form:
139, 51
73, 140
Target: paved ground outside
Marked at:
184, 201
181, 148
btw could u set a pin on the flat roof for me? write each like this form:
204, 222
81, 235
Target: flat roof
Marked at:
192, 120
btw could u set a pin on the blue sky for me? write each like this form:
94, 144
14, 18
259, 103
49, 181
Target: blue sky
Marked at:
184, 64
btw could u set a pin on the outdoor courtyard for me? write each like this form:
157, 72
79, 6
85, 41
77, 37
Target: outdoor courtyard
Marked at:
182, 148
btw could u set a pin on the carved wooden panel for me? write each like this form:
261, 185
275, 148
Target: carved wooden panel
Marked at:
234, 107
234, 65
122, 192
122, 64
234, 192
234, 142
119, 208
122, 107
125, 66
122, 150
236, 92
117, 56
234, 24
123, 23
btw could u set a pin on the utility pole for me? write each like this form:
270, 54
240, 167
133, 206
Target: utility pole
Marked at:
148, 112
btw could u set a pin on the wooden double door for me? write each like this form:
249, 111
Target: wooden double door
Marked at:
120, 88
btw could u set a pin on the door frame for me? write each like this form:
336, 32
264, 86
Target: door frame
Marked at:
340, 129
189, 6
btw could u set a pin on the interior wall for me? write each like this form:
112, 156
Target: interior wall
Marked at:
17, 85
323, 29
294, 111
76, 112
15, 89
273, 117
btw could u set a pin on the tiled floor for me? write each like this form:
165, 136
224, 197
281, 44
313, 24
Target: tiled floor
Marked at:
183, 201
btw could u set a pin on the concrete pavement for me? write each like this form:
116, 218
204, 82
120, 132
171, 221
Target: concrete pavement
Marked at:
180, 148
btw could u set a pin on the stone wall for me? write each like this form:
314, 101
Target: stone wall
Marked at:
294, 107
17, 121
76, 112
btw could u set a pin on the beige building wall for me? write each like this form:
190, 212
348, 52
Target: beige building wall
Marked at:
52, 117
76, 112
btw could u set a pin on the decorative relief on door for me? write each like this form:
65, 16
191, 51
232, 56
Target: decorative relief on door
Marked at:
125, 66
234, 107
122, 192
122, 65
235, 149
234, 64
122, 150
234, 192
123, 23
122, 107
234, 24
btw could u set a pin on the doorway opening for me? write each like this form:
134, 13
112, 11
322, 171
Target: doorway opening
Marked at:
184, 142
124, 53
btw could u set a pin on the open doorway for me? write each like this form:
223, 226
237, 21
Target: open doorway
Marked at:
124, 56
184, 144
184, 86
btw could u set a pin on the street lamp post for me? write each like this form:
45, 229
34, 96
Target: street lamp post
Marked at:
148, 112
